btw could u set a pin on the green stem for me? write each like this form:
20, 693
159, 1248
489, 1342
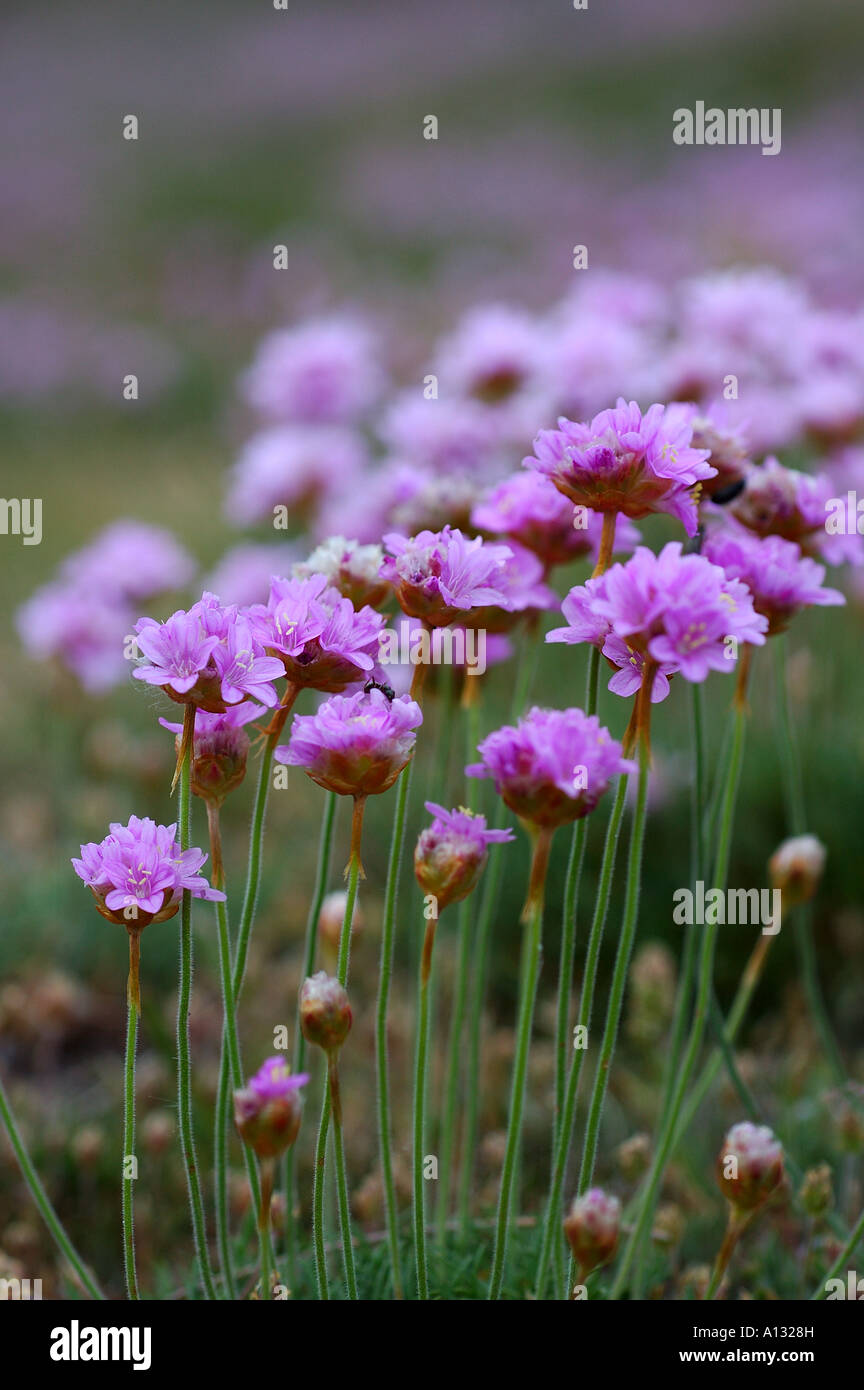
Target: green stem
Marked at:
354, 870
420, 1111
797, 819
129, 1151
458, 1003
534, 909
565, 1129
619, 976
325, 846
341, 1178
184, 1059
264, 1239
381, 1053
482, 934
42, 1202
703, 996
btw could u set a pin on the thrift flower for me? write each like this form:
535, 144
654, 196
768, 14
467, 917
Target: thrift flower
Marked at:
319, 637
780, 501
553, 766
451, 853
208, 656
351, 568
325, 1013
268, 1109
219, 750
592, 1226
441, 576
749, 1166
781, 580
138, 873
355, 745
624, 461
531, 511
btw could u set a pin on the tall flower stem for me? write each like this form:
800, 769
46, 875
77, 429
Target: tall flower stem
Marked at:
797, 818
42, 1201
355, 869
420, 1109
184, 1059
341, 1175
568, 918
230, 1068
325, 846
133, 1005
705, 971
552, 1225
736, 1225
533, 918
263, 1209
627, 937
482, 933
381, 1053
458, 1003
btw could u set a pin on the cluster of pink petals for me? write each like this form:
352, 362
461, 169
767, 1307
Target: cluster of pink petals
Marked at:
626, 461
294, 466
781, 580
321, 640
324, 371
451, 852
355, 745
553, 766
139, 871
678, 609
527, 509
780, 501
275, 1079
208, 656
440, 576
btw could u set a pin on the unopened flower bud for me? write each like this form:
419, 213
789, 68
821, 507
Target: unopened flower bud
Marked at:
816, 1193
633, 1156
796, 868
267, 1111
749, 1166
219, 750
652, 992
325, 1013
451, 853
591, 1227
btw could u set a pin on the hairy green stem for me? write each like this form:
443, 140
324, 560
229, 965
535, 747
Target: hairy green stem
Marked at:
129, 1160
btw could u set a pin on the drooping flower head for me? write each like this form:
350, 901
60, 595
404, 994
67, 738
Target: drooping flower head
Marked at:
591, 1226
321, 640
208, 657
781, 579
531, 511
353, 569
451, 853
440, 576
624, 461
267, 1111
355, 745
220, 748
680, 610
137, 874
551, 767
749, 1165
779, 501
325, 1013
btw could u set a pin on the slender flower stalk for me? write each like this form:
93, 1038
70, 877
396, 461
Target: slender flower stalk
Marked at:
322, 873
388, 931
704, 981
325, 1018
43, 1203
420, 1108
533, 918
184, 1059
628, 933
133, 1008
735, 1228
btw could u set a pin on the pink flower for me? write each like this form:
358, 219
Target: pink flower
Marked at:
321, 640
528, 509
781, 580
138, 873
441, 576
624, 461
355, 745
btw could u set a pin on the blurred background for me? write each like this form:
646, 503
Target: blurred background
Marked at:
304, 129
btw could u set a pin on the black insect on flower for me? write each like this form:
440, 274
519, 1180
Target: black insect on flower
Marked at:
377, 685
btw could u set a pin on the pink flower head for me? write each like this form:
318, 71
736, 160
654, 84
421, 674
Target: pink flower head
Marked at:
679, 609
592, 1226
624, 461
294, 466
553, 766
130, 560
441, 576
320, 638
138, 873
717, 430
447, 436
531, 511
355, 745
452, 851
208, 656
324, 371
495, 352
780, 501
521, 582
781, 579
351, 568
267, 1111
749, 1165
